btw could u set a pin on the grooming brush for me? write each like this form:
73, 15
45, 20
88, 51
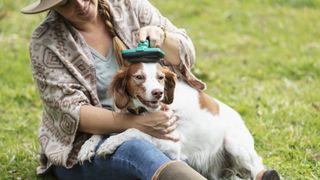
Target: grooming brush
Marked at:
143, 53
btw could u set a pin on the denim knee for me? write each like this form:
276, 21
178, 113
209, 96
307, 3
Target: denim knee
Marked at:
143, 155
140, 150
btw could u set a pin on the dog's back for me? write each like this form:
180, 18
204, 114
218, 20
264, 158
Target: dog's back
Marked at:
202, 129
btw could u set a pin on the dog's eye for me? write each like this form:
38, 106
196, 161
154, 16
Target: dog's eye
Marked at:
161, 77
139, 77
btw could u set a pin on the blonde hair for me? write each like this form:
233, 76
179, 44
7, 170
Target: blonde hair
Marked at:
118, 45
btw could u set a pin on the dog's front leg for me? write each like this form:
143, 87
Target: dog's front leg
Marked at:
87, 150
113, 142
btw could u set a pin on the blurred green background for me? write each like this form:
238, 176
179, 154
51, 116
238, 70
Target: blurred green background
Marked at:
262, 57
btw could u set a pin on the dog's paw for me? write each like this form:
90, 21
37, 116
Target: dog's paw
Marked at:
86, 153
87, 150
171, 149
109, 146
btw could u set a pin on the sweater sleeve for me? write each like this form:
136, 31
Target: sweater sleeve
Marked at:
62, 96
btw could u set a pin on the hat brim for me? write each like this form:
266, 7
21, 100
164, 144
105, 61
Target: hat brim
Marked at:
40, 6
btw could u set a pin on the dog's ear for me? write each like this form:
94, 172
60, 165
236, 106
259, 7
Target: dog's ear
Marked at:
170, 84
118, 89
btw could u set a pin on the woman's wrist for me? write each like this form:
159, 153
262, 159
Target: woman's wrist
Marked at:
96, 120
164, 36
123, 121
171, 48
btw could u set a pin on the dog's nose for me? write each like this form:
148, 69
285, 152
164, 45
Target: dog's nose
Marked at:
157, 93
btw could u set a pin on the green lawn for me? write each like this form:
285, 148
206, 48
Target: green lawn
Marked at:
261, 57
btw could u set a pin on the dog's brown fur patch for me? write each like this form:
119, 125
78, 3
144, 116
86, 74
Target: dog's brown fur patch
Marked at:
208, 103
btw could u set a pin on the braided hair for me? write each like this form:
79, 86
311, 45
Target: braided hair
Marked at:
118, 45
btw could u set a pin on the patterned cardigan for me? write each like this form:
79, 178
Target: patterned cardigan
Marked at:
64, 72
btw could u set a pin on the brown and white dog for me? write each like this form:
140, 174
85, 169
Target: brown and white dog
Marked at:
213, 138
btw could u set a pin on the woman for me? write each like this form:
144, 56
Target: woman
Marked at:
74, 54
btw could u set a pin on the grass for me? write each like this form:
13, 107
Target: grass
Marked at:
259, 56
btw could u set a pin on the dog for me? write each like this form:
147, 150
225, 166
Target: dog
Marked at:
213, 138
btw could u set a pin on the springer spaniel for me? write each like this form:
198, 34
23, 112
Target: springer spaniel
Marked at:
213, 138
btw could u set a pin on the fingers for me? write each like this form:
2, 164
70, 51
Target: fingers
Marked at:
152, 37
172, 137
161, 124
169, 126
169, 114
142, 35
154, 33
168, 118
165, 130
172, 121
164, 107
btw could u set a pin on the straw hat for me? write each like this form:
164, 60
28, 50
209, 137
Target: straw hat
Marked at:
41, 5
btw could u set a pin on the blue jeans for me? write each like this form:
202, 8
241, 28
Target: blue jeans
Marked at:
134, 159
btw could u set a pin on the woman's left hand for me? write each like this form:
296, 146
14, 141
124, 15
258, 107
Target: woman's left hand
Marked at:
154, 33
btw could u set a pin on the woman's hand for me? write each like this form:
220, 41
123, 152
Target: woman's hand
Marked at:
160, 38
154, 33
157, 124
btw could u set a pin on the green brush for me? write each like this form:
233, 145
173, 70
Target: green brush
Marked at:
143, 53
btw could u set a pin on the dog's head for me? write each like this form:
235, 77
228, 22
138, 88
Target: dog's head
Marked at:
143, 85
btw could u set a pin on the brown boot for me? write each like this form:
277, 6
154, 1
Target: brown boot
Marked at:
271, 175
268, 175
177, 170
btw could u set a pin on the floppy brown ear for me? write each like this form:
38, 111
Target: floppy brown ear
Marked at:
170, 84
118, 89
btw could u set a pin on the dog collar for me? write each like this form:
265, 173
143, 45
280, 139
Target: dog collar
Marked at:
137, 111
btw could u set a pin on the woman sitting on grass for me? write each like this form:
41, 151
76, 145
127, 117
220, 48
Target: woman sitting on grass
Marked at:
74, 54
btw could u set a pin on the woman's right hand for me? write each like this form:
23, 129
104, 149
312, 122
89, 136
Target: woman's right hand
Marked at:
158, 124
